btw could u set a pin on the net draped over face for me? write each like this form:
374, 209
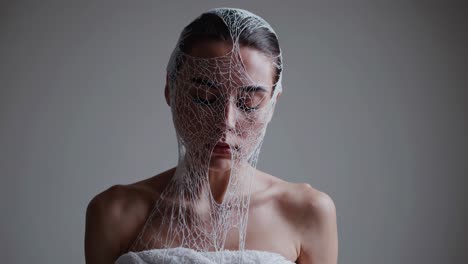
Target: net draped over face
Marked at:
212, 100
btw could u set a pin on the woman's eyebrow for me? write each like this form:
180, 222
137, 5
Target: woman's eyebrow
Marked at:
210, 84
254, 88
205, 82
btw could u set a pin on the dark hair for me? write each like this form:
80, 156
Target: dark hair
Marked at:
210, 26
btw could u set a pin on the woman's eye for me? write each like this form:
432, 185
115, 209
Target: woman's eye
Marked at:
203, 101
245, 105
204, 98
203, 92
251, 101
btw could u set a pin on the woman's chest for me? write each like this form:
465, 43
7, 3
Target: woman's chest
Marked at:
267, 230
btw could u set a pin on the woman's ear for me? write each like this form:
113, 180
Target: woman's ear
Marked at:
277, 97
166, 92
270, 115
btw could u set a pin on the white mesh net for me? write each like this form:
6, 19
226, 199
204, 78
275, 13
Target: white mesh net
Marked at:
213, 101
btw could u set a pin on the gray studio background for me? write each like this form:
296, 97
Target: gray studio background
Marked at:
373, 113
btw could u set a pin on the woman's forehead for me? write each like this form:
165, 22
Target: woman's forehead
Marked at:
218, 63
209, 49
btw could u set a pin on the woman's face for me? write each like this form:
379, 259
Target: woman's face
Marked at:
221, 101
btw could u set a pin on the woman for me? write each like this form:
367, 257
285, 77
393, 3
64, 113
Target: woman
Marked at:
223, 81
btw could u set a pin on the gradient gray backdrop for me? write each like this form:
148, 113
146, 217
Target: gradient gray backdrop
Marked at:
373, 113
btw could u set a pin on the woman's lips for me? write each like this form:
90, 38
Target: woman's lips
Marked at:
222, 148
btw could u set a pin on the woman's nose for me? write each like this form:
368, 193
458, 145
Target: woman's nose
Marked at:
229, 116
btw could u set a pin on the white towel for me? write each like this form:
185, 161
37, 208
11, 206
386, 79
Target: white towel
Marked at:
189, 256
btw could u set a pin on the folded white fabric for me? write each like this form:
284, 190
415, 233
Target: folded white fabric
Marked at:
189, 256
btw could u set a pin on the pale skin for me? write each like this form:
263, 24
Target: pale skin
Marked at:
292, 219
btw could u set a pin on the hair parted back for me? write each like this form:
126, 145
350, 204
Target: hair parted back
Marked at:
211, 26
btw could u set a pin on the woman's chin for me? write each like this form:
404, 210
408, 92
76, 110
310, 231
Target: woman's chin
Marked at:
220, 163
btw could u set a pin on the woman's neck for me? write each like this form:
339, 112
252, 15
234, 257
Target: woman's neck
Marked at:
219, 182
219, 179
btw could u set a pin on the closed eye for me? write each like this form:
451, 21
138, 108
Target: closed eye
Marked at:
205, 83
203, 91
202, 101
241, 104
252, 98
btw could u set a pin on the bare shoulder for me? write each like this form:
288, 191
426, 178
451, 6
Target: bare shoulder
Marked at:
299, 198
312, 214
115, 216
318, 227
111, 219
309, 200
316, 221
114, 203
